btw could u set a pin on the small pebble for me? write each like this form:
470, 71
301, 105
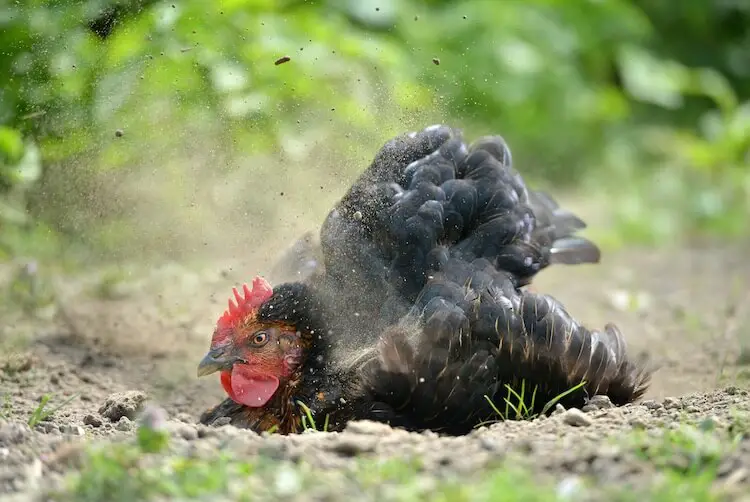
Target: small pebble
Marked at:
576, 418
124, 424
652, 405
559, 409
671, 402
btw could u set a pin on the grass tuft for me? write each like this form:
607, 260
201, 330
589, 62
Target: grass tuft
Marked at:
308, 421
515, 401
42, 413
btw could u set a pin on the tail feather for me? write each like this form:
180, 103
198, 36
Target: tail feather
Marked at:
574, 251
556, 228
477, 336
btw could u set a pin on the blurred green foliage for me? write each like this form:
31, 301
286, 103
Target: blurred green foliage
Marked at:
642, 103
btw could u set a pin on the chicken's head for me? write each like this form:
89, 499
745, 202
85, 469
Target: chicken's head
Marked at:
254, 353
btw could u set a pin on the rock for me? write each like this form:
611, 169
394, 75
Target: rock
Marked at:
123, 404
124, 424
576, 418
559, 409
92, 420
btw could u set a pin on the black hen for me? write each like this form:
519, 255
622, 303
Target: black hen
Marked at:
421, 318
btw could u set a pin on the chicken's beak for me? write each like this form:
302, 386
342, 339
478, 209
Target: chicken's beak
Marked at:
216, 360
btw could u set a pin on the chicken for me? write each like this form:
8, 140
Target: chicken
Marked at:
417, 315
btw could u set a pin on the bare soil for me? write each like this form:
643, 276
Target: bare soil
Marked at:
143, 335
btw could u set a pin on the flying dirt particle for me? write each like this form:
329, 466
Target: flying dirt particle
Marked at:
281, 194
436, 61
119, 133
282, 60
416, 18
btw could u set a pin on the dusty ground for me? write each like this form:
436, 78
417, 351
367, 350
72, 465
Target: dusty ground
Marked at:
146, 332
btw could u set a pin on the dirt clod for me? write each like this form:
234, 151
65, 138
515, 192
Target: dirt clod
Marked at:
92, 420
123, 404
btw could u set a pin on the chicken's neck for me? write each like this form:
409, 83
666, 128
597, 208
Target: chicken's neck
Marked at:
299, 305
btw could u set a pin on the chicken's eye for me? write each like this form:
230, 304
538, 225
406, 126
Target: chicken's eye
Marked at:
259, 339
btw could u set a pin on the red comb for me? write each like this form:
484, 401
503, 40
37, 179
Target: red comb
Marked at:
241, 306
